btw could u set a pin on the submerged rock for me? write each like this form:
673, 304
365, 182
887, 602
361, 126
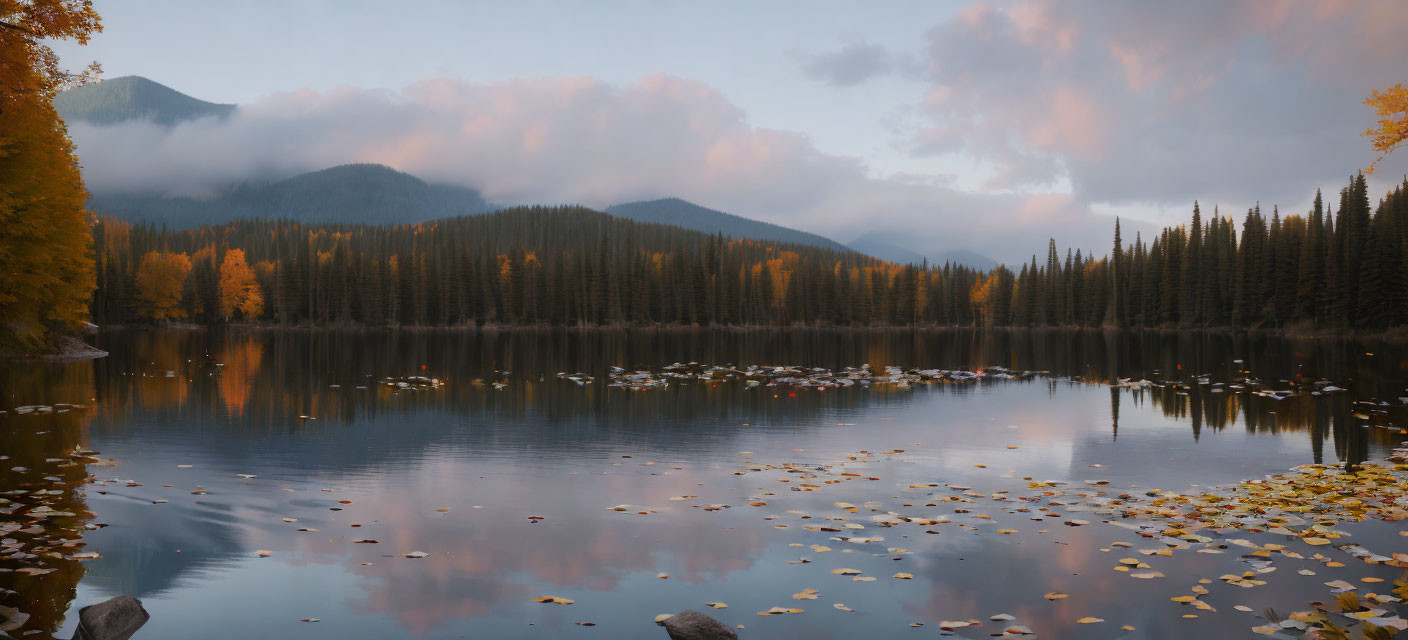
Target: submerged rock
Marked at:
115, 619
692, 625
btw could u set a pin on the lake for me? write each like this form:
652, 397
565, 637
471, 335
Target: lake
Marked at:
245, 481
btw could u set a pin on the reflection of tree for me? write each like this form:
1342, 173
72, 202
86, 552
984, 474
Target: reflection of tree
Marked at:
271, 377
241, 357
42, 443
1319, 416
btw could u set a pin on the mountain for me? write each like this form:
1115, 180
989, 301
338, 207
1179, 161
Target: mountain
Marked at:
890, 247
679, 213
133, 98
964, 257
352, 193
874, 246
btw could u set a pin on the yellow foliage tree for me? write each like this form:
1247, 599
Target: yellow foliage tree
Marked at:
239, 291
160, 280
980, 296
1391, 105
46, 262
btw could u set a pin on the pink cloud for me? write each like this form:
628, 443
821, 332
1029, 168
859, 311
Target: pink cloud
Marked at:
1160, 103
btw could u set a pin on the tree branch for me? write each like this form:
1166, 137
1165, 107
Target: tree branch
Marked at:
19, 28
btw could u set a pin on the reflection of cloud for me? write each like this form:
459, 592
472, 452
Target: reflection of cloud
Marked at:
491, 560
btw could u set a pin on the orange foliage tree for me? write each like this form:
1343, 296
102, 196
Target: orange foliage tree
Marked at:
160, 280
46, 262
1391, 105
239, 291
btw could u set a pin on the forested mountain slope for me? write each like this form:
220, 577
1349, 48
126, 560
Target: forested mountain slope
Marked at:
133, 98
353, 193
680, 213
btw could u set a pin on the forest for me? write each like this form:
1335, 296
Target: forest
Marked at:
1338, 266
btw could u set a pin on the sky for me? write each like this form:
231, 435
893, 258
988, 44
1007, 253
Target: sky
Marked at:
988, 126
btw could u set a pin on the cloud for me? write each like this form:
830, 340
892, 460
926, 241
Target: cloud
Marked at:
1162, 102
849, 66
573, 140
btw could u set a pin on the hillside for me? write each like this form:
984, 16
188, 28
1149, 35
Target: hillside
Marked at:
891, 248
133, 98
679, 213
873, 246
356, 193
971, 259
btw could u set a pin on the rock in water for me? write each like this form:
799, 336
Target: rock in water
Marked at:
115, 619
692, 625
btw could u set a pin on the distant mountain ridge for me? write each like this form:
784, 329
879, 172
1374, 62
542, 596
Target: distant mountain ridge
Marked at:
352, 193
133, 98
886, 246
681, 213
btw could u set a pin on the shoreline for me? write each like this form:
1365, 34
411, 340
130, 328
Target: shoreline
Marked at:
1395, 335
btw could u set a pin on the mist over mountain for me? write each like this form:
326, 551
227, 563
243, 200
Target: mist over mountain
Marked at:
679, 213
133, 98
121, 113
355, 193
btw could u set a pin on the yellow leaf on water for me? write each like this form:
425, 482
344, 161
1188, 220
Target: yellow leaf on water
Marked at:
1054, 595
903, 576
1090, 620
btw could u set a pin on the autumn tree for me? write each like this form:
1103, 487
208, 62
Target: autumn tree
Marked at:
46, 263
1391, 105
161, 277
239, 290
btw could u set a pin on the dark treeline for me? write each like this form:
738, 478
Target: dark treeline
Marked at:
1335, 267
525, 266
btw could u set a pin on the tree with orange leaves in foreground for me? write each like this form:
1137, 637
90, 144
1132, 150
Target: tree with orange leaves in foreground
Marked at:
239, 291
46, 260
161, 278
1391, 105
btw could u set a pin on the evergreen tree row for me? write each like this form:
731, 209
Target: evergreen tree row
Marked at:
1335, 267
563, 266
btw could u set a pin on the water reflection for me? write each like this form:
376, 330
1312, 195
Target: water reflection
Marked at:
193, 409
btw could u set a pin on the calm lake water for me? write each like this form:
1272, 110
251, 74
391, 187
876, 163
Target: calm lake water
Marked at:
183, 419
